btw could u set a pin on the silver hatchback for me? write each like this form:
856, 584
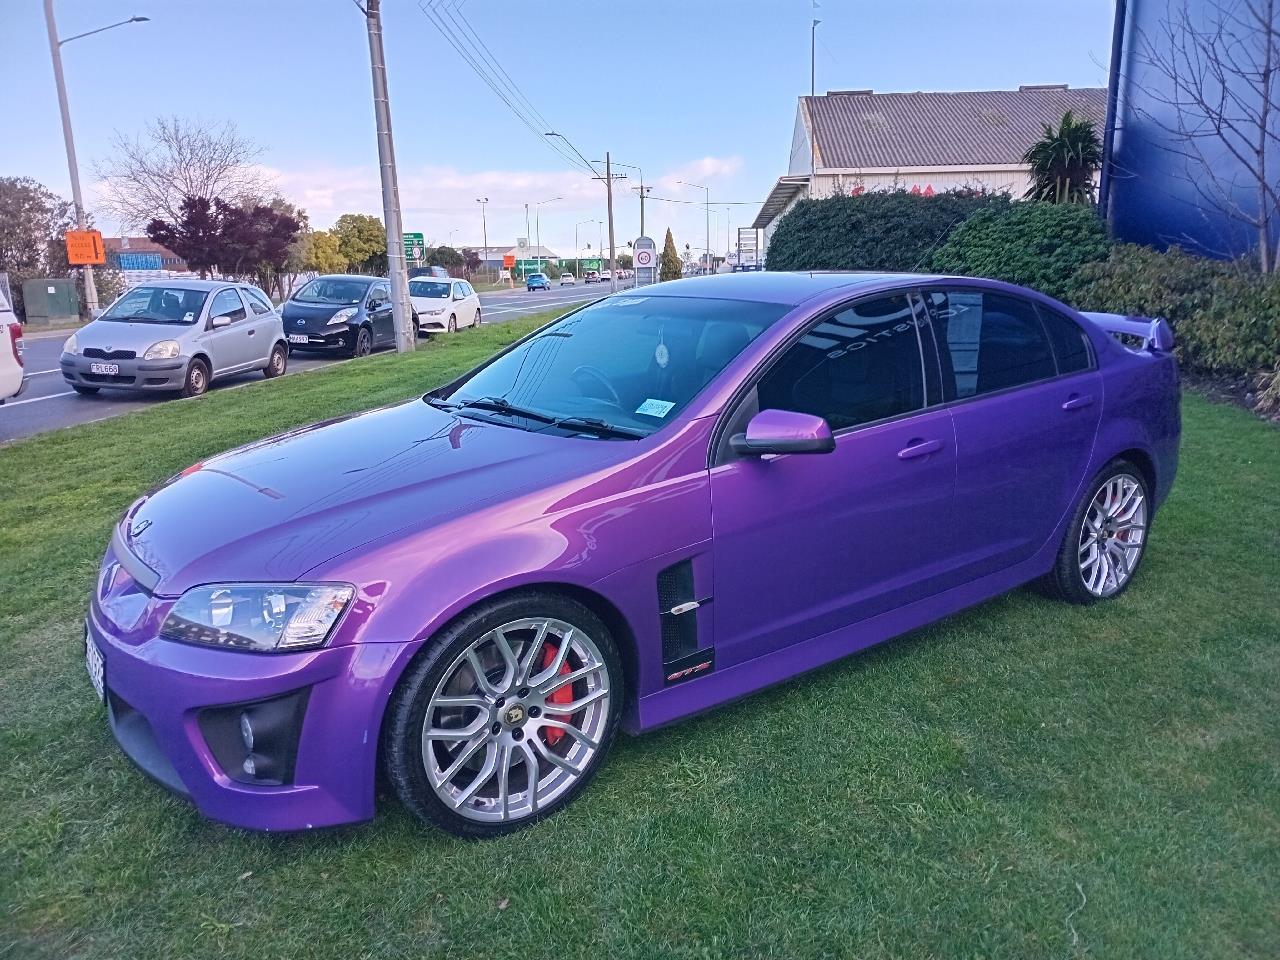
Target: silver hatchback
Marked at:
179, 336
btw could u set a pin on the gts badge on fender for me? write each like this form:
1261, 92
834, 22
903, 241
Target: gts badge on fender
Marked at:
686, 668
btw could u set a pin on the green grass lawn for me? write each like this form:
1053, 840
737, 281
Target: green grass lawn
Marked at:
1027, 779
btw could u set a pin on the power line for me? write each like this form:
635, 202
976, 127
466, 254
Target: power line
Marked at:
718, 203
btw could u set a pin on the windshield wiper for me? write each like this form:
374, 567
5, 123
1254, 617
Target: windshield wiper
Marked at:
597, 426
494, 405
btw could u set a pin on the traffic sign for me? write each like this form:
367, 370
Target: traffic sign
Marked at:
415, 247
644, 257
85, 249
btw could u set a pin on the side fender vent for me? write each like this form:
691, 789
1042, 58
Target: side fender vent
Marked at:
677, 604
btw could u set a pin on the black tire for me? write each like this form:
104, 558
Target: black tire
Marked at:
478, 320
402, 729
363, 345
277, 363
85, 391
417, 327
197, 381
1066, 580
453, 324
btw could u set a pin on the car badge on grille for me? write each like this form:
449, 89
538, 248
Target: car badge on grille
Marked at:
302, 323
140, 527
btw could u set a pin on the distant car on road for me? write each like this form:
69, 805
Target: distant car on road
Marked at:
567, 279
176, 335
605, 276
537, 281
13, 378
444, 305
591, 276
341, 313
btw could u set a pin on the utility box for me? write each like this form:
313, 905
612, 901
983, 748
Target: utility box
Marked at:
51, 303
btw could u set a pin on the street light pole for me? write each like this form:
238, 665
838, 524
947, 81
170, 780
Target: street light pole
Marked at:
577, 263
397, 269
710, 258
484, 225
73, 167
537, 226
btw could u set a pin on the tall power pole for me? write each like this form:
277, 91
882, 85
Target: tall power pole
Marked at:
484, 225
608, 186
644, 192
401, 308
55, 50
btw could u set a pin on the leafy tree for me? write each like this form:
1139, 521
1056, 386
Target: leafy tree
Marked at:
362, 241
1037, 244
470, 260
893, 230
446, 257
320, 253
624, 261
669, 266
149, 176
33, 221
1064, 162
196, 236
241, 241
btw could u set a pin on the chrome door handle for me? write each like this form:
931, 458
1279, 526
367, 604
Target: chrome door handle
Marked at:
919, 448
1077, 400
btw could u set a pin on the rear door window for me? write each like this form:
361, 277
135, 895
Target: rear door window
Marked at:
1070, 343
987, 342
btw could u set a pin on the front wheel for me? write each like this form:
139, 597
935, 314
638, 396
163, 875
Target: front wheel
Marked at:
453, 323
364, 343
506, 716
1106, 539
197, 381
476, 321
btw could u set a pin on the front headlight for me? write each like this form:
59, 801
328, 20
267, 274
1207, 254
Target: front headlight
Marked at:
436, 312
71, 346
342, 316
164, 350
262, 617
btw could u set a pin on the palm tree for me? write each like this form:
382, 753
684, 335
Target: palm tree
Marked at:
1064, 161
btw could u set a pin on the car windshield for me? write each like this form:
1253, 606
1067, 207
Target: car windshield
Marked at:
630, 362
331, 290
428, 288
157, 305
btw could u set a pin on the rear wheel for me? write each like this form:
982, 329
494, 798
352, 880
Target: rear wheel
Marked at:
1106, 539
504, 717
197, 381
84, 391
278, 362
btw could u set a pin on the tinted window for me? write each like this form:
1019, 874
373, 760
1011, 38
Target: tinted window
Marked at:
332, 290
1070, 344
227, 303
257, 300
858, 366
380, 292
987, 342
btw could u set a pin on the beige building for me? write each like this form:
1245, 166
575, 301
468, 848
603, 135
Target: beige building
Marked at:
851, 141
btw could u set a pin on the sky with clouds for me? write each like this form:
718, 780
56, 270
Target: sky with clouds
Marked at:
702, 92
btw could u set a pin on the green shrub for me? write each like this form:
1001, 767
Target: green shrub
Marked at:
882, 230
1036, 244
1225, 315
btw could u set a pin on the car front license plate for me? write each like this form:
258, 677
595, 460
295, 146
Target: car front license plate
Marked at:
93, 663
298, 338
111, 369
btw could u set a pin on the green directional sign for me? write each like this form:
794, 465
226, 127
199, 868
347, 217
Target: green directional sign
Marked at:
415, 247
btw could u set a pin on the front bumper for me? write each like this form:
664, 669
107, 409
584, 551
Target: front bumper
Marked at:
160, 375
161, 694
337, 339
433, 323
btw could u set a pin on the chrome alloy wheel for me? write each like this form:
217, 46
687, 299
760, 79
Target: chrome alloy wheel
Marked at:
1113, 535
516, 720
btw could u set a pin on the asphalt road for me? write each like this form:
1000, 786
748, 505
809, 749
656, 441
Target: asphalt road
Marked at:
49, 403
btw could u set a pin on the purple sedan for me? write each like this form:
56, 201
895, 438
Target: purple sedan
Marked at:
658, 503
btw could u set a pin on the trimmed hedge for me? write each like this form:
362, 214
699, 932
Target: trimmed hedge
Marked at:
1036, 244
1225, 315
883, 230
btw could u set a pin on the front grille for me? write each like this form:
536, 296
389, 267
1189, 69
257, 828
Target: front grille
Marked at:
96, 354
119, 378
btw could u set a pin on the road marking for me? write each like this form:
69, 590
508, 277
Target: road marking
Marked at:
41, 373
18, 403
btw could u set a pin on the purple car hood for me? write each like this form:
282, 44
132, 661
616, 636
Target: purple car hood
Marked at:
277, 508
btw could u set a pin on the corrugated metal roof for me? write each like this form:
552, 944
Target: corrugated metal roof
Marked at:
863, 130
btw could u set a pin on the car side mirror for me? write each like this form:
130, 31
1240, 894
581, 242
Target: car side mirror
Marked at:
375, 304
783, 431
217, 323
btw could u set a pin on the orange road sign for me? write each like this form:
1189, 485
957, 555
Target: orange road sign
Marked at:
84, 248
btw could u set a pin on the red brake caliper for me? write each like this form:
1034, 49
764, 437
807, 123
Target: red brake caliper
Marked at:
563, 695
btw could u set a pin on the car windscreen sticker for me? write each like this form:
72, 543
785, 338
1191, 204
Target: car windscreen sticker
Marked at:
188, 317
655, 408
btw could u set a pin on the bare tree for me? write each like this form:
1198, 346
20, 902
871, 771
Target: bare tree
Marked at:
1218, 106
148, 177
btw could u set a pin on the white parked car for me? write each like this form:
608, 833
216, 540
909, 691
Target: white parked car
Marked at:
13, 378
567, 279
444, 305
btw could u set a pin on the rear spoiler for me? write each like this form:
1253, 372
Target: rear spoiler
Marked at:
1156, 334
